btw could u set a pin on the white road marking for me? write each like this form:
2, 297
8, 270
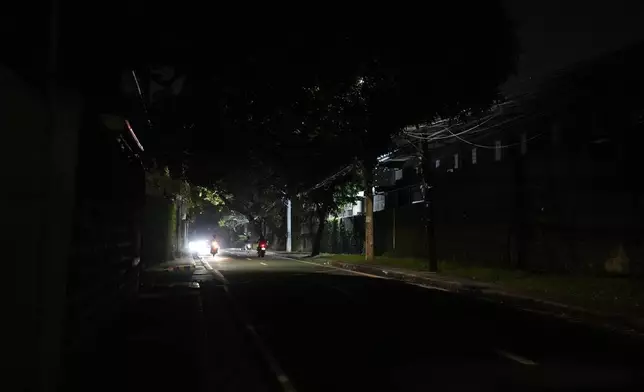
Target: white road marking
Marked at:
262, 263
215, 272
516, 358
220, 276
274, 365
272, 361
207, 265
425, 286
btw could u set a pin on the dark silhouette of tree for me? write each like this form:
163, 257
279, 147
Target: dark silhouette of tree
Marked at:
346, 79
410, 71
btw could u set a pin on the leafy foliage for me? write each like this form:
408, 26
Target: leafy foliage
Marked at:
284, 103
257, 193
233, 221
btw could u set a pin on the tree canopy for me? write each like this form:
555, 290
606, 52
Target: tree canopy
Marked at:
293, 98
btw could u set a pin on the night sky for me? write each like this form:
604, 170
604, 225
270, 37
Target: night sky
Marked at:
553, 34
558, 33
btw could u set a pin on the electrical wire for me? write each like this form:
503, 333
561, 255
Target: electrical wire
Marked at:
446, 129
496, 146
140, 92
327, 180
521, 117
431, 138
467, 130
425, 136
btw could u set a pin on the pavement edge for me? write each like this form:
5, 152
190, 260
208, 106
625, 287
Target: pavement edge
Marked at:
616, 323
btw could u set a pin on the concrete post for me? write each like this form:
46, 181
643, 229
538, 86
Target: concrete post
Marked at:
368, 194
288, 226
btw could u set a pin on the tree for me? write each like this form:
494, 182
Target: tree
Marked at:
201, 197
366, 72
420, 73
235, 223
255, 191
327, 199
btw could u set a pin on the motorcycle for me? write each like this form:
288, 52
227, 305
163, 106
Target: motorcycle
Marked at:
199, 248
261, 249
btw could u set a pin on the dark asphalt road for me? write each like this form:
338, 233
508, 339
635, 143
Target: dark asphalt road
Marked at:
324, 329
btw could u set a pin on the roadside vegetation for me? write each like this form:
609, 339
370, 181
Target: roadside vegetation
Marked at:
613, 295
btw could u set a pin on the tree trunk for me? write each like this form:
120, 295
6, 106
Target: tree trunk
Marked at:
317, 240
368, 222
429, 209
257, 225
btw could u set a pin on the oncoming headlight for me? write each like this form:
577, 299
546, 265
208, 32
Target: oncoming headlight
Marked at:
193, 245
201, 247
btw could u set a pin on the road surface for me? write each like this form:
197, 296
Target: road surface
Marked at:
330, 329
243, 323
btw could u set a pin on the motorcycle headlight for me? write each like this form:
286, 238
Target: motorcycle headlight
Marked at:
193, 246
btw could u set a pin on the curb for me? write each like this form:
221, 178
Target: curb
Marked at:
180, 268
618, 323
176, 268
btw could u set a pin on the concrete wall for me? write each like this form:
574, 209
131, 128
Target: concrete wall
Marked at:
38, 158
156, 244
73, 228
573, 208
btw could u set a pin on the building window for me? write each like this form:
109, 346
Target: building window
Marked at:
416, 195
438, 163
456, 161
497, 150
378, 202
524, 144
474, 156
398, 175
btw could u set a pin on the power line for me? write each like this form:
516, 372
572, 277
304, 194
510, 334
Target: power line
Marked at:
140, 92
329, 179
423, 135
457, 135
496, 146
447, 129
468, 130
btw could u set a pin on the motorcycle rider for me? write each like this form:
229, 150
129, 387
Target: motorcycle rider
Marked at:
261, 241
247, 243
214, 247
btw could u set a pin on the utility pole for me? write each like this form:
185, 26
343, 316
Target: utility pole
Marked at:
368, 196
429, 207
288, 226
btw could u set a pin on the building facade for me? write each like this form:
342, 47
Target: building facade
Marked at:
549, 182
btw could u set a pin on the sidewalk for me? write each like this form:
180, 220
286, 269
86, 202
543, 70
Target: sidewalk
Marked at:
624, 323
183, 263
174, 337
173, 273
